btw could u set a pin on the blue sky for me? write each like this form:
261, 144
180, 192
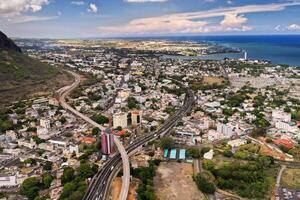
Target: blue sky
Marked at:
107, 18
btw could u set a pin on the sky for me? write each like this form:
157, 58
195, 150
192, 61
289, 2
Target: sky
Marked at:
122, 18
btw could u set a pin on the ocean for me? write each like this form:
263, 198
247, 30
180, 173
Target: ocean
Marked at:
279, 49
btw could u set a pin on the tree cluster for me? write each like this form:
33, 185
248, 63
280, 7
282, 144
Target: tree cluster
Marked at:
145, 189
31, 186
248, 180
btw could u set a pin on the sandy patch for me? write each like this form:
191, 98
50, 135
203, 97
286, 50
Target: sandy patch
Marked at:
174, 181
116, 188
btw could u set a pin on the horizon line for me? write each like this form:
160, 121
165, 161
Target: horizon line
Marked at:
155, 36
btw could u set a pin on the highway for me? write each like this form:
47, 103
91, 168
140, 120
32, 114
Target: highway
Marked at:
62, 93
100, 183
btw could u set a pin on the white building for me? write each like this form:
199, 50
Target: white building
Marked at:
279, 115
58, 143
7, 180
226, 129
46, 146
120, 120
45, 123
286, 127
209, 155
11, 134
41, 131
74, 149
214, 135
26, 143
137, 89
237, 142
126, 77
124, 94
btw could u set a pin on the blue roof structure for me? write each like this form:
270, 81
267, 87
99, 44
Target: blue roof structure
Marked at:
173, 154
182, 153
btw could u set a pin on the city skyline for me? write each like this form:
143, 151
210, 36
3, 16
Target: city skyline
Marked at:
122, 18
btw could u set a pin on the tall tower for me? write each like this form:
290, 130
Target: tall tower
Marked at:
136, 118
107, 144
245, 55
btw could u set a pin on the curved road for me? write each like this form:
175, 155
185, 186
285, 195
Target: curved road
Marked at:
100, 184
62, 93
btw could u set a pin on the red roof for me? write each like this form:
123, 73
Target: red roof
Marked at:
122, 132
88, 140
136, 112
285, 142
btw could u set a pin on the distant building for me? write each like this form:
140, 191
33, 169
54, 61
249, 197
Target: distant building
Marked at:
237, 142
41, 131
45, 123
120, 120
13, 136
57, 142
126, 77
8, 180
209, 155
279, 115
136, 118
124, 94
137, 89
289, 127
74, 149
107, 141
214, 135
226, 130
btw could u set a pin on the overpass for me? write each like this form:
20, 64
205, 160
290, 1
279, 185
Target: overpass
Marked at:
62, 94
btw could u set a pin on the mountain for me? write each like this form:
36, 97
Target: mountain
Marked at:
8, 44
22, 76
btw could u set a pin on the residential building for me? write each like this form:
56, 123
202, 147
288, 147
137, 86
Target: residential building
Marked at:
279, 115
136, 118
107, 141
225, 129
8, 180
45, 123
120, 120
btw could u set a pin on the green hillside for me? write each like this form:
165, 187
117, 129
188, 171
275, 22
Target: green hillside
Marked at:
22, 76
16, 67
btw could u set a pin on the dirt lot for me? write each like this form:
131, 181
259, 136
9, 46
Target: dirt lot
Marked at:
291, 178
116, 188
264, 150
212, 80
174, 181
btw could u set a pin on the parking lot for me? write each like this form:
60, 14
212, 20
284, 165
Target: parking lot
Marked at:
288, 194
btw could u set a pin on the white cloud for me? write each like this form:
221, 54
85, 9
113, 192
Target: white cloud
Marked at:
16, 11
233, 20
144, 1
293, 27
27, 18
195, 22
77, 3
92, 8
16, 7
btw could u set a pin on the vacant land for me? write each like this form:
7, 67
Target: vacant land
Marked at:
116, 188
291, 178
174, 181
210, 80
